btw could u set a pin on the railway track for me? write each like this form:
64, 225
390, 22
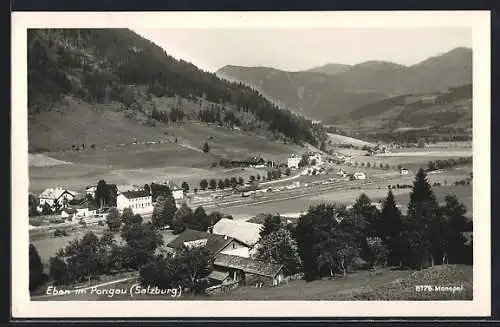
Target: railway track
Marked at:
315, 188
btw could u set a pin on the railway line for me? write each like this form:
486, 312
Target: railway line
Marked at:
313, 188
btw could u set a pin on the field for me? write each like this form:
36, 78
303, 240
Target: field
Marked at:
414, 158
384, 284
347, 197
144, 163
77, 177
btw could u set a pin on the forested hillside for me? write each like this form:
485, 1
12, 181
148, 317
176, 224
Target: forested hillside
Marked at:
313, 94
117, 70
444, 109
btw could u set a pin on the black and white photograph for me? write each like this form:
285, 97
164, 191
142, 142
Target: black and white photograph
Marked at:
331, 162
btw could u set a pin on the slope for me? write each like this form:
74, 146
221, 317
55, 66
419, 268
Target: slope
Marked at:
311, 94
452, 108
104, 86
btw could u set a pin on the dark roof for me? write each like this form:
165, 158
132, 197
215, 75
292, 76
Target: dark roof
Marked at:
215, 243
252, 266
135, 194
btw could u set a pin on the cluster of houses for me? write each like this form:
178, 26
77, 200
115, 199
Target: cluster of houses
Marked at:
313, 157
233, 247
74, 206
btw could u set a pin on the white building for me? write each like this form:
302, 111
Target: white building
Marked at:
139, 201
90, 190
359, 176
293, 162
51, 195
342, 173
177, 192
403, 171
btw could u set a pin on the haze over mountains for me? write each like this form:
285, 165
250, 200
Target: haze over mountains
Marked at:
336, 89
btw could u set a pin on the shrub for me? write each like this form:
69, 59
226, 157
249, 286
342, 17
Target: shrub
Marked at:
60, 232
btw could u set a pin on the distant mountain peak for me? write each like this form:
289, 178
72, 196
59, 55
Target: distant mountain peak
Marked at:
330, 68
378, 64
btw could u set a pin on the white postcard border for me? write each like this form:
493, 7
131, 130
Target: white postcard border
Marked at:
478, 21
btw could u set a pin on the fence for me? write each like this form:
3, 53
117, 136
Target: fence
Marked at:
222, 288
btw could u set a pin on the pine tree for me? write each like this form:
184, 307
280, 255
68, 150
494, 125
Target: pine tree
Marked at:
183, 214
423, 222
198, 220
456, 223
157, 218
113, 220
364, 208
389, 228
35, 269
271, 224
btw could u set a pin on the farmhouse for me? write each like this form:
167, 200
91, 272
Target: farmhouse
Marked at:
138, 201
248, 270
403, 171
245, 232
293, 161
214, 243
51, 196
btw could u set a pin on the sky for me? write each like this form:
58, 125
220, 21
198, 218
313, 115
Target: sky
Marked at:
301, 49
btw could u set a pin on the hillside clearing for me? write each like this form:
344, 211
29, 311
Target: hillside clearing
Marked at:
143, 163
341, 139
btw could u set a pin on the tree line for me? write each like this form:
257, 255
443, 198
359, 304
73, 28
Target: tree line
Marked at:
448, 163
328, 239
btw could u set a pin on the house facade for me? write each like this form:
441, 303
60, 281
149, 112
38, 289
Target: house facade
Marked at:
177, 193
140, 201
52, 195
403, 171
249, 271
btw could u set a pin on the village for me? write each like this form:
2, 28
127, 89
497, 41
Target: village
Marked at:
61, 205
232, 243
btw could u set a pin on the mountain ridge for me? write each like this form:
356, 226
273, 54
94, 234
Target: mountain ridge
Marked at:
319, 95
